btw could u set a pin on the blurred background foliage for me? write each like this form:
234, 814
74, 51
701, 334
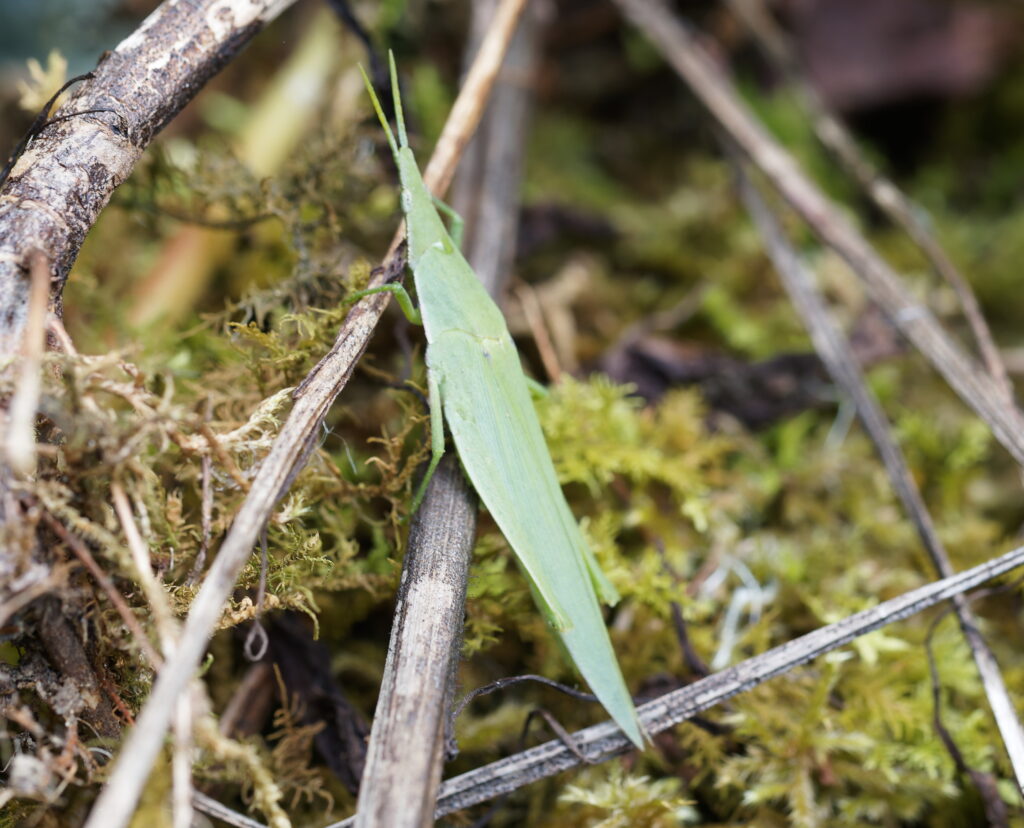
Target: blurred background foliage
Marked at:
216, 275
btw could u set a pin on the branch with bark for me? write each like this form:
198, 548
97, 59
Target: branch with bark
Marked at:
71, 168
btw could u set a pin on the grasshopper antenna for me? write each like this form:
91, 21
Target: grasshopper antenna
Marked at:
403, 138
380, 112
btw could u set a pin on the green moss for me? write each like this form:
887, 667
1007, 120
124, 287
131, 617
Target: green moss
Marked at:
681, 504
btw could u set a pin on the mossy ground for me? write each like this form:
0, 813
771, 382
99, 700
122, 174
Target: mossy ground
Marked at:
682, 503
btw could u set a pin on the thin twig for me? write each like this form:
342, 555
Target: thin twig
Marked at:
530, 304
257, 640
20, 439
511, 681
692, 659
155, 595
605, 741
55, 328
468, 108
681, 49
985, 783
256, 681
225, 459
298, 435
834, 135
211, 807
206, 516
181, 763
839, 360
556, 727
85, 556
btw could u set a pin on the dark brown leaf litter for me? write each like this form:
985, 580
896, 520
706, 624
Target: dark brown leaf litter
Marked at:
305, 666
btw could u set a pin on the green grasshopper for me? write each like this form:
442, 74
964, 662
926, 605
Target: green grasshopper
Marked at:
476, 383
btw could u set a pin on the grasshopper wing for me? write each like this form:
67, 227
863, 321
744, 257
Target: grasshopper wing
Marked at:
491, 417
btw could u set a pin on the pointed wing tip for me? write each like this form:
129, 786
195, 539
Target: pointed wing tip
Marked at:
636, 733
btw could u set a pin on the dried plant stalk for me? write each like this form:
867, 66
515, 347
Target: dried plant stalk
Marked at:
839, 360
974, 386
834, 135
605, 741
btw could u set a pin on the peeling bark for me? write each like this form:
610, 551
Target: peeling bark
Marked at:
69, 171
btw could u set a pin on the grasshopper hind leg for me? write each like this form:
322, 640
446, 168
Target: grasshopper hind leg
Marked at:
436, 437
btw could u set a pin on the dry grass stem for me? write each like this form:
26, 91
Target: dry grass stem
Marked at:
835, 352
534, 314
181, 764
974, 386
82, 552
835, 137
20, 439
605, 741
155, 595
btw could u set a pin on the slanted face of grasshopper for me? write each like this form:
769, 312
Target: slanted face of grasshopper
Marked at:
476, 385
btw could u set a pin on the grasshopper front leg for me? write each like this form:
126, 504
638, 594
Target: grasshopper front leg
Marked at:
401, 296
458, 225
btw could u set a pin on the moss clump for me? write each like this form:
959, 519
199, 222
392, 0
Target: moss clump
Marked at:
754, 537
